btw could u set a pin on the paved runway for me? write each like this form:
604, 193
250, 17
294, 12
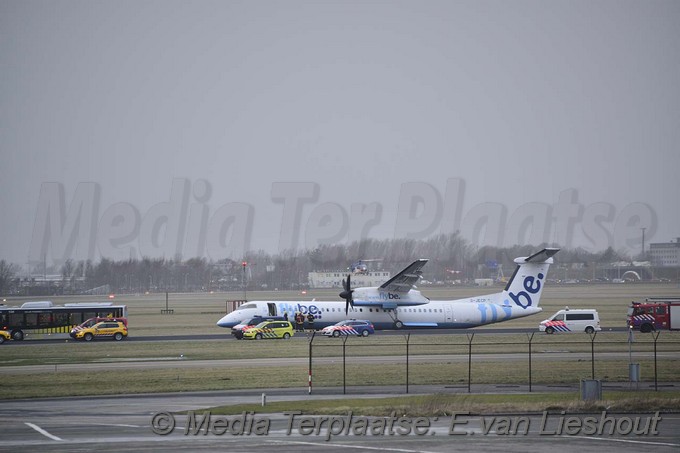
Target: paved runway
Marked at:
226, 336
124, 423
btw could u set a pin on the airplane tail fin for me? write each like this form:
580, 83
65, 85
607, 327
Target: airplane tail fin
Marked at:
526, 285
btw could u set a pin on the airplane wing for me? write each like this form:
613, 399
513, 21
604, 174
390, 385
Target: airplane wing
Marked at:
404, 280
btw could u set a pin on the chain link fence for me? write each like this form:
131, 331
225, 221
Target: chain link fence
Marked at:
505, 360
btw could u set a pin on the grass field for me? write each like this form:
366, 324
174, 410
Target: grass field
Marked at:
446, 405
196, 314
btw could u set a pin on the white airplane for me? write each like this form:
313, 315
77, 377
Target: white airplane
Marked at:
396, 304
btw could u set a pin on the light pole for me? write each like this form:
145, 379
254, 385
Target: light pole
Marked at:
643, 242
243, 280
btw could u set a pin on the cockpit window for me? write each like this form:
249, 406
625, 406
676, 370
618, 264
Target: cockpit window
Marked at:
247, 306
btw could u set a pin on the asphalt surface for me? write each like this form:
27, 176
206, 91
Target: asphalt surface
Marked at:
142, 423
227, 335
499, 331
133, 423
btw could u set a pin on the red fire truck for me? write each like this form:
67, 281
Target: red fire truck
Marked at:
654, 314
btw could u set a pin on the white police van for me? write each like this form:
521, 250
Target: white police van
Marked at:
572, 320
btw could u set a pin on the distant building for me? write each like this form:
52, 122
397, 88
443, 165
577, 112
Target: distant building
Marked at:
665, 254
333, 279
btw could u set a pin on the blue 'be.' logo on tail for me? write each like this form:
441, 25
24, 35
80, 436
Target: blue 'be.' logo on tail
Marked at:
531, 286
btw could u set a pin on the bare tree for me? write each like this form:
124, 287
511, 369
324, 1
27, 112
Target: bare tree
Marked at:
67, 273
7, 273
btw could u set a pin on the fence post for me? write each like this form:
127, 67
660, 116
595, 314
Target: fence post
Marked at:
344, 386
470, 337
408, 338
656, 382
530, 340
311, 340
592, 354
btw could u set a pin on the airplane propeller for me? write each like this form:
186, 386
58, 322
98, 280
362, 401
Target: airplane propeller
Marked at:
347, 293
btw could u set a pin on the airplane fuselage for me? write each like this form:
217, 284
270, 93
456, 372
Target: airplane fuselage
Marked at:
441, 314
396, 304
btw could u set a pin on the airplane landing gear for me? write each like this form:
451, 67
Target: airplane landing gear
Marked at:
397, 324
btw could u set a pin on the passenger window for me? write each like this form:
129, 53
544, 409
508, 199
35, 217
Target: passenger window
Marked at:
660, 310
44, 319
559, 317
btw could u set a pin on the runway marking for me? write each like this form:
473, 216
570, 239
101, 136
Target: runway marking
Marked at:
363, 447
43, 432
644, 442
117, 424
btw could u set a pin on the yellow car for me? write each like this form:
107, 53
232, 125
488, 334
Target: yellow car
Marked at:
270, 329
114, 329
4, 336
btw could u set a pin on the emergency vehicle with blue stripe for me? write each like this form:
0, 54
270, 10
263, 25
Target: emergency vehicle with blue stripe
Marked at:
358, 327
570, 321
269, 330
654, 314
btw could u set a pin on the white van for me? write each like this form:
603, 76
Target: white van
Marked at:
569, 321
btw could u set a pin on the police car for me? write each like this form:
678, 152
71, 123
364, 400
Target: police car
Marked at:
358, 327
4, 336
113, 329
269, 329
570, 321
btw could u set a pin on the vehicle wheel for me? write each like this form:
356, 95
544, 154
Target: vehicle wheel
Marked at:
589, 330
646, 328
549, 330
88, 337
118, 336
365, 333
336, 333
17, 335
286, 336
258, 336
2, 339
398, 325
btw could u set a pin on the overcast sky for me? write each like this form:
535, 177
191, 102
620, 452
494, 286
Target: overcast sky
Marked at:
518, 104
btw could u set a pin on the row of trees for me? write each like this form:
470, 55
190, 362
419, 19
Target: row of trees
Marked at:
449, 255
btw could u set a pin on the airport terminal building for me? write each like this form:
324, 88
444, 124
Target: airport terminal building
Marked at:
333, 279
665, 254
